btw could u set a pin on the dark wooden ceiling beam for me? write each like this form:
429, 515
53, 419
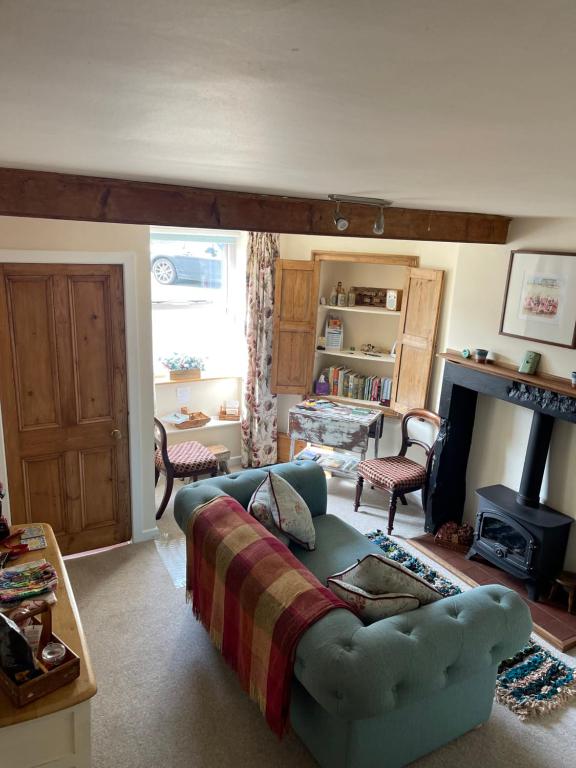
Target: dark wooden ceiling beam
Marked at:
86, 198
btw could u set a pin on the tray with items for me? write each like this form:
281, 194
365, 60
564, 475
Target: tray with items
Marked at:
33, 660
186, 419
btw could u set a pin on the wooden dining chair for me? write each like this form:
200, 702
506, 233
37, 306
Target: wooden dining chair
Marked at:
398, 475
181, 461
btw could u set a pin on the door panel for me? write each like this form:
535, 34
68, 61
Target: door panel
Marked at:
45, 490
99, 502
295, 301
64, 400
33, 347
90, 333
416, 338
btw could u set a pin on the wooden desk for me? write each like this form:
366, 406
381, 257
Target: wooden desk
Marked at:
53, 732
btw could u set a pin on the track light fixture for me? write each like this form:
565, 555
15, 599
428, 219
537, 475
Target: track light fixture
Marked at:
342, 223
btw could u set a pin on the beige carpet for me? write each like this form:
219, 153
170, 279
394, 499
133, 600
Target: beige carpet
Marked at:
166, 698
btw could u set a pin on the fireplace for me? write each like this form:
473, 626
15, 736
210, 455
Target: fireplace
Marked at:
514, 530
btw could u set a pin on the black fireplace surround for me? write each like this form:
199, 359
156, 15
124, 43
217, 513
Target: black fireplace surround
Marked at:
513, 529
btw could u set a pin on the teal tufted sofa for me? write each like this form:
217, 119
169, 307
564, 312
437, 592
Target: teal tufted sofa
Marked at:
380, 696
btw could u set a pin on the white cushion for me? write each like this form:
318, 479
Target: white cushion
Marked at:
378, 587
259, 507
290, 513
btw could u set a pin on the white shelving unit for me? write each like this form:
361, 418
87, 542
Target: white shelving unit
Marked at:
357, 355
360, 310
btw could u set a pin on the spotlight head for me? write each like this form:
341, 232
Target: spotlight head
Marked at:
378, 227
341, 223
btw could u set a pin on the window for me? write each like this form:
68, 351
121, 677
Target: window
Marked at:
197, 286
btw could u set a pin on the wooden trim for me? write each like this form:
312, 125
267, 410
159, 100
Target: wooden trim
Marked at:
505, 301
506, 371
383, 259
48, 195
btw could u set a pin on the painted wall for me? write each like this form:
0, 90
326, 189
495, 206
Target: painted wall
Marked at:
501, 429
431, 255
113, 243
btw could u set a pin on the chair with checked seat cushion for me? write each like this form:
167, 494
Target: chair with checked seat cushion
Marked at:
399, 475
181, 460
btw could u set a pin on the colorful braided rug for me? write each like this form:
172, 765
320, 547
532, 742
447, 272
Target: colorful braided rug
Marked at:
533, 682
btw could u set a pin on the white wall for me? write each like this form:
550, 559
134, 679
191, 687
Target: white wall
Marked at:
501, 429
43, 240
431, 255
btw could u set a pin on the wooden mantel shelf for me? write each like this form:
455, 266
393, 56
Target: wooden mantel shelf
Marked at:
544, 381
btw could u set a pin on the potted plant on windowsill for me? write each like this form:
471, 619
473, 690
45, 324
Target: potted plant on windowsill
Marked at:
183, 367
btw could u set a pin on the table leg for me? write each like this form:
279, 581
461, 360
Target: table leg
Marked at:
292, 447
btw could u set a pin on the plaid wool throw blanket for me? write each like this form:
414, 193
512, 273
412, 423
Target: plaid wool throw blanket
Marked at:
255, 599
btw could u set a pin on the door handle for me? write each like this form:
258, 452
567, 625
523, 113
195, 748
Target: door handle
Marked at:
116, 434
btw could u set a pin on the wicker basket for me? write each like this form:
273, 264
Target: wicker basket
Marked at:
185, 374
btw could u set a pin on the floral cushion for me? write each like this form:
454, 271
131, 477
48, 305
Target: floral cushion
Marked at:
259, 507
188, 459
290, 512
393, 473
378, 587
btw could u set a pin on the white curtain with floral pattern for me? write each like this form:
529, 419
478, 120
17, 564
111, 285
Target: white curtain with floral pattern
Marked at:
259, 419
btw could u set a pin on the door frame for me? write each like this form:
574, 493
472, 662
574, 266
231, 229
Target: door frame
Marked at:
140, 442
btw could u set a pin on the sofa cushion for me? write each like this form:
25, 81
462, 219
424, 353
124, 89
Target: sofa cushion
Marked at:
366, 599
376, 575
290, 512
260, 507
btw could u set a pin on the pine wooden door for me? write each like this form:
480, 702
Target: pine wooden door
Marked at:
295, 302
64, 400
417, 338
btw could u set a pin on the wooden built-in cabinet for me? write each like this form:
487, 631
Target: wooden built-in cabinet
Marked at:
299, 319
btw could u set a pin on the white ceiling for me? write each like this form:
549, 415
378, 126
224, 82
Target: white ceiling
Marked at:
446, 104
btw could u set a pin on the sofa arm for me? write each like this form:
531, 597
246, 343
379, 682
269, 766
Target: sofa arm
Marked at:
189, 498
360, 672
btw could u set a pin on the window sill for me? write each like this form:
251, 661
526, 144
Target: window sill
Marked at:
186, 382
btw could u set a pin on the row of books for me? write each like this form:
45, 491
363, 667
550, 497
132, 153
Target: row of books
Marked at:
344, 382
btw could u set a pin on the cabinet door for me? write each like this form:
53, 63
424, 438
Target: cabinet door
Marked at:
295, 307
416, 338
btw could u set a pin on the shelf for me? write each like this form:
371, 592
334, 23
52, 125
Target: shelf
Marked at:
372, 404
212, 424
357, 355
362, 310
185, 382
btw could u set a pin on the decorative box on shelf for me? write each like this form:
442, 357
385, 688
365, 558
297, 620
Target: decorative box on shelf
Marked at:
230, 411
50, 678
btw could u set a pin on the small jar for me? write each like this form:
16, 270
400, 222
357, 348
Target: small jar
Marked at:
53, 654
351, 298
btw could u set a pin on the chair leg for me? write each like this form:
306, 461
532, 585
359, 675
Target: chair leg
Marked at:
214, 473
403, 500
166, 497
359, 486
392, 513
156, 476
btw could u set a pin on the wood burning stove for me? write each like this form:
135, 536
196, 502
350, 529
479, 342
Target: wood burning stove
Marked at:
527, 542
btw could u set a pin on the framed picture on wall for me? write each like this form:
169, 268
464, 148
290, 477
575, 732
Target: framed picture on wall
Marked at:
540, 298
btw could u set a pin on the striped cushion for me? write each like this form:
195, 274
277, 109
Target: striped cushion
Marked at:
394, 473
188, 459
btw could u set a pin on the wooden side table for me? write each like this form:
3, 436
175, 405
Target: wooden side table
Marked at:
567, 581
54, 731
222, 453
